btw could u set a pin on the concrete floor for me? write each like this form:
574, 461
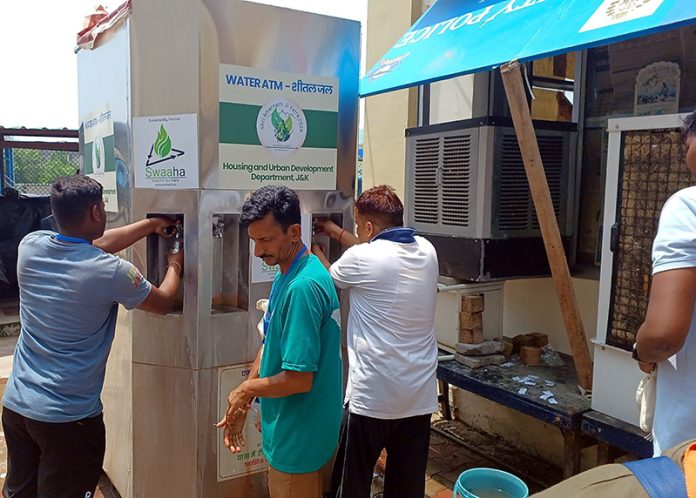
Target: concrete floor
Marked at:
9, 318
7, 345
454, 448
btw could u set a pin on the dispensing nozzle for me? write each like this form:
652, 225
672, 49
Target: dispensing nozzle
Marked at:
178, 237
218, 227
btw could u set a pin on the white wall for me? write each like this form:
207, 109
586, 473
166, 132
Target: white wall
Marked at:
531, 305
388, 115
451, 100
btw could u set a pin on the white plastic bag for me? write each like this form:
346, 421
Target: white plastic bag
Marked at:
645, 397
262, 305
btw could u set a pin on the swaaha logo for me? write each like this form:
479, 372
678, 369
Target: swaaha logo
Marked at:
162, 149
281, 126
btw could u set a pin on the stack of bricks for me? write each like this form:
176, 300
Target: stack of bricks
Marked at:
472, 350
529, 347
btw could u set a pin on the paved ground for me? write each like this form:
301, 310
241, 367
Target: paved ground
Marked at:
9, 318
454, 448
7, 345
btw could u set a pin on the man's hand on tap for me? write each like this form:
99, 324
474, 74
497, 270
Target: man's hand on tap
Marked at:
117, 239
162, 226
324, 226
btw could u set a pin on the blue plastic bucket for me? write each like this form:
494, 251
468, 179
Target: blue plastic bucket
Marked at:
489, 483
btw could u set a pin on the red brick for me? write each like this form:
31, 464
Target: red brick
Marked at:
473, 304
470, 320
471, 336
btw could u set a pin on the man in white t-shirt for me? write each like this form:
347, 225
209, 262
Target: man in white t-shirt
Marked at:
391, 276
667, 338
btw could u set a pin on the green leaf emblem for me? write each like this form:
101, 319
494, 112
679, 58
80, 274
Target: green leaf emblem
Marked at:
163, 143
97, 155
282, 127
276, 119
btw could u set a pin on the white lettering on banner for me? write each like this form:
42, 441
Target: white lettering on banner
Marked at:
461, 21
431, 29
477, 19
423, 33
510, 8
408, 36
468, 19
445, 26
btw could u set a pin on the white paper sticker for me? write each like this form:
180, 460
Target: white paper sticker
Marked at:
166, 151
251, 459
612, 12
99, 161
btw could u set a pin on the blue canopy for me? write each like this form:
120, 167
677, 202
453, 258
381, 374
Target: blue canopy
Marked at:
456, 37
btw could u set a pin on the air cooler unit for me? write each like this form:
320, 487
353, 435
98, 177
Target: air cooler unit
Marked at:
467, 192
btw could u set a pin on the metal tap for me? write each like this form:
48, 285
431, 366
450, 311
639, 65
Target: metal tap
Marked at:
178, 237
218, 227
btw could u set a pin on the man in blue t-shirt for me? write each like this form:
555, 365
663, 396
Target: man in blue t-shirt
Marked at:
298, 372
70, 286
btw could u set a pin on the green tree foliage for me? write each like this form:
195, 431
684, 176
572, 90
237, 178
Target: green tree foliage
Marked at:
43, 166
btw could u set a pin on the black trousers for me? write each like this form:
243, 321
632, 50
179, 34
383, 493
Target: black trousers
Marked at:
361, 442
52, 460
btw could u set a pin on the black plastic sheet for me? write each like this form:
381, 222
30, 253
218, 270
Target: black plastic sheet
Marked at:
19, 215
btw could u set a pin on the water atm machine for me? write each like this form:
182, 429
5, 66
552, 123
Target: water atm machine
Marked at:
187, 106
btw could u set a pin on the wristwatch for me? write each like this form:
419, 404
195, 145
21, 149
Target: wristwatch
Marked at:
634, 353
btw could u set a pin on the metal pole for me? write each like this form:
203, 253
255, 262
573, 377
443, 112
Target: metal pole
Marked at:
424, 105
9, 167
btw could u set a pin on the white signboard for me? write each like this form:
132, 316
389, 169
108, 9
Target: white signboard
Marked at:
277, 129
251, 459
166, 151
612, 12
99, 161
260, 271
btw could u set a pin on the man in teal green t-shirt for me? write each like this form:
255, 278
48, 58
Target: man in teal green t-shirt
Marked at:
298, 372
